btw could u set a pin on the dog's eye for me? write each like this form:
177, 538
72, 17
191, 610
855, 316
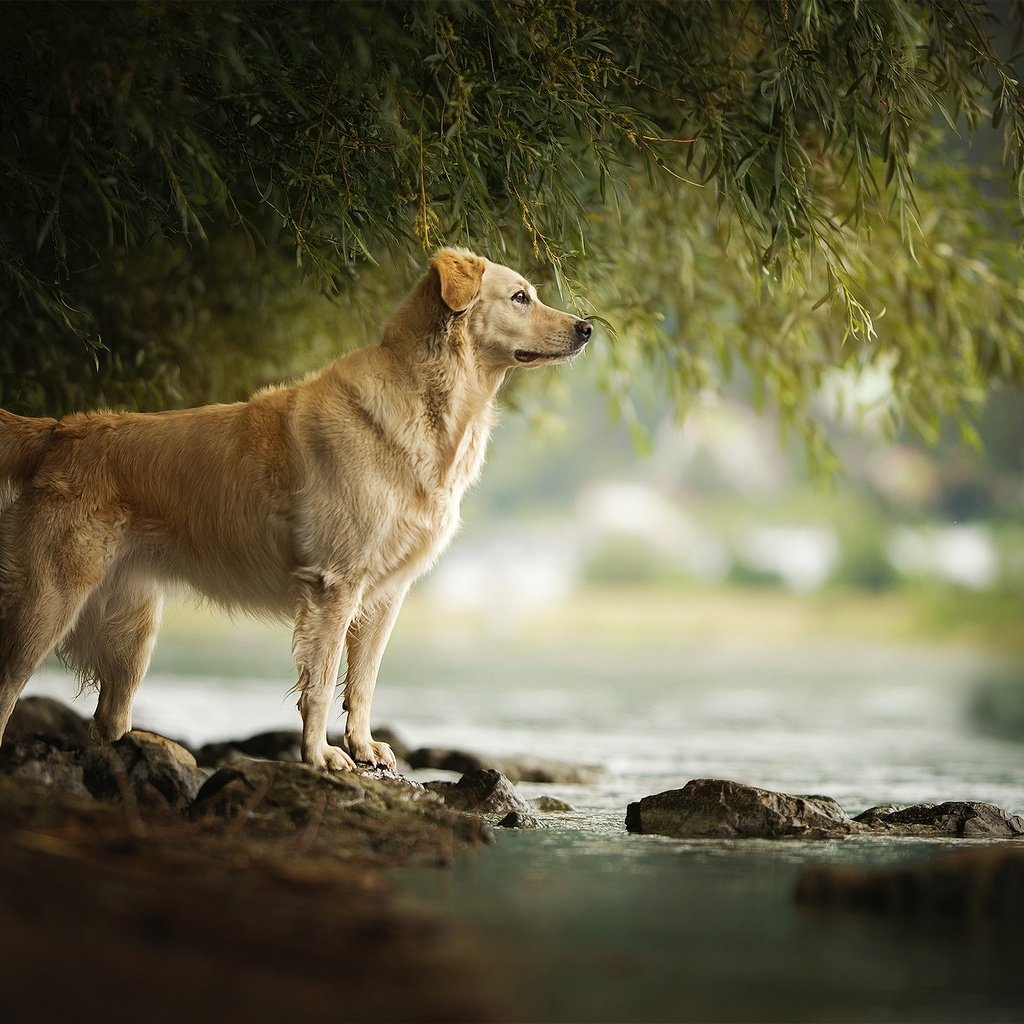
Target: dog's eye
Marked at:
521, 297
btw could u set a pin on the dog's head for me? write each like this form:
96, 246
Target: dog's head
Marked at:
500, 315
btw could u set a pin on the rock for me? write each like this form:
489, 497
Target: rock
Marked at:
876, 814
44, 716
460, 761
142, 768
715, 808
984, 885
721, 809
485, 791
47, 762
515, 769
516, 819
155, 771
277, 745
549, 770
371, 814
966, 820
552, 805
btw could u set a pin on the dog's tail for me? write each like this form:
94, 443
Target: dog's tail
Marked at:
23, 441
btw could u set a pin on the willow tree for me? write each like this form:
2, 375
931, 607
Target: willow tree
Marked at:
774, 184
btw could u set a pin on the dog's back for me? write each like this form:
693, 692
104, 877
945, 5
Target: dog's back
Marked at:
23, 442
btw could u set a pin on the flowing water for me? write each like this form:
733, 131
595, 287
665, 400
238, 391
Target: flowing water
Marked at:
580, 921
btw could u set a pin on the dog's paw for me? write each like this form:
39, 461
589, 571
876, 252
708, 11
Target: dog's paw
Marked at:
332, 758
104, 732
372, 753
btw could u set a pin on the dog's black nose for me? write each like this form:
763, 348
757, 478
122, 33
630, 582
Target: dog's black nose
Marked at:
584, 329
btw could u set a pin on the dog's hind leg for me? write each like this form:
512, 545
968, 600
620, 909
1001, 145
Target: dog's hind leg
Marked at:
324, 608
49, 565
367, 637
111, 645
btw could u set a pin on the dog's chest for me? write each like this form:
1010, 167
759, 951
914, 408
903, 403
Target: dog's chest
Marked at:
426, 526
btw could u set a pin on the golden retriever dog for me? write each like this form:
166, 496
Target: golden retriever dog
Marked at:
321, 501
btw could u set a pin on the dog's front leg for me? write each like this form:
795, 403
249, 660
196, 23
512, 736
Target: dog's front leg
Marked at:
367, 637
324, 609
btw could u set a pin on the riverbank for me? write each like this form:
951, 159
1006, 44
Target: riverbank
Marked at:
265, 890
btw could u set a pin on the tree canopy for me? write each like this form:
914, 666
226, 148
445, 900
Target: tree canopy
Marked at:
778, 187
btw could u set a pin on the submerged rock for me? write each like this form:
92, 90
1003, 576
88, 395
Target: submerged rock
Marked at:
375, 813
518, 769
721, 809
983, 885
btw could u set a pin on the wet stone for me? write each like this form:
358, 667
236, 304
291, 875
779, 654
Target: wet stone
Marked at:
486, 791
716, 808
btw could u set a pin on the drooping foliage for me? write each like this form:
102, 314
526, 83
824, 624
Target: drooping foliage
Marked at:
779, 186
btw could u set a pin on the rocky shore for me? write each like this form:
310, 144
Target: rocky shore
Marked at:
242, 888
235, 883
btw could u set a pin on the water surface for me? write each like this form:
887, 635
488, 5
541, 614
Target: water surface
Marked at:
583, 922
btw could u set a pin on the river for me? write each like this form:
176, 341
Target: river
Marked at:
580, 921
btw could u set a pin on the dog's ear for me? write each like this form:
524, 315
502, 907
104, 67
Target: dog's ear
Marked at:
460, 273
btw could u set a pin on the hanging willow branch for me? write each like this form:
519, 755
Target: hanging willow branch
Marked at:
777, 184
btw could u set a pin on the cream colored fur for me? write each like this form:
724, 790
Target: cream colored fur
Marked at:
322, 501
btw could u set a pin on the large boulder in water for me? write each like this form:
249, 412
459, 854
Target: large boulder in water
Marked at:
719, 809
715, 808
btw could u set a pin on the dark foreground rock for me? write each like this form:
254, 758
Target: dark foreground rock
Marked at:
257, 890
979, 885
715, 808
106, 910
517, 769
